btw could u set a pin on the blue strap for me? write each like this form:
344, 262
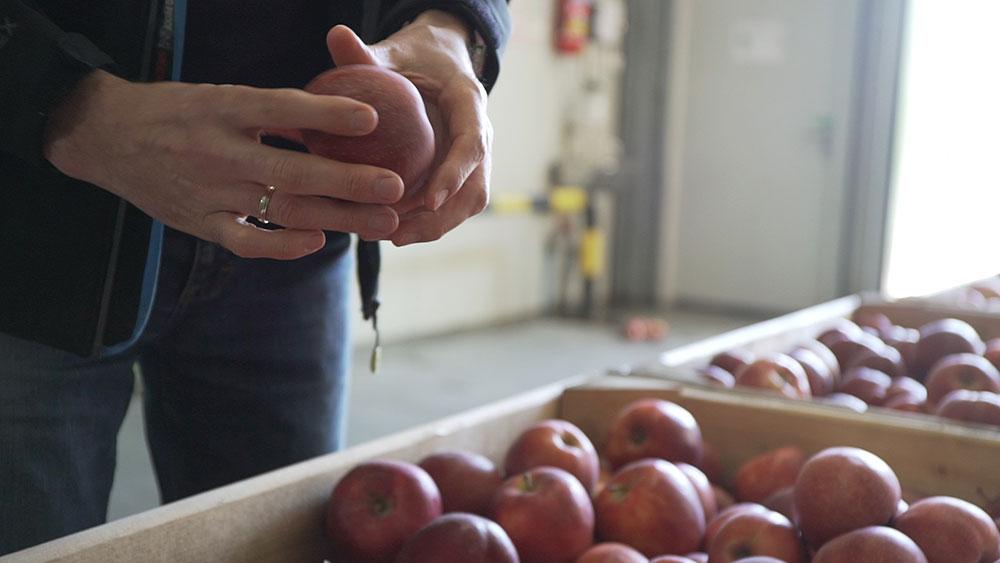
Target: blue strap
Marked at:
151, 272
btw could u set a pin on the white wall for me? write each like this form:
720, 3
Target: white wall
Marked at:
759, 99
490, 268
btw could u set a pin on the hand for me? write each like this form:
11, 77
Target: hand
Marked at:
432, 52
190, 156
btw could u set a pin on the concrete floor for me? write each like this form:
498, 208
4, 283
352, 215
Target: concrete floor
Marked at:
425, 379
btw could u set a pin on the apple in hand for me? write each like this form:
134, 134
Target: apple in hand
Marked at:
377, 506
749, 534
651, 506
867, 384
961, 371
874, 543
403, 140
459, 538
843, 489
555, 443
612, 553
653, 428
768, 473
950, 530
466, 480
944, 338
547, 514
777, 373
971, 406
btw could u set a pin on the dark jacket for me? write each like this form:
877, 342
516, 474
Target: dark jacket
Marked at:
74, 256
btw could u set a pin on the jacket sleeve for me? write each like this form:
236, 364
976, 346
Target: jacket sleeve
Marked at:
39, 65
490, 18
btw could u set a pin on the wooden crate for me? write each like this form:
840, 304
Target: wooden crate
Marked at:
278, 517
783, 333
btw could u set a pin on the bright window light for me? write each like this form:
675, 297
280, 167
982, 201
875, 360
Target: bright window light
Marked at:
944, 225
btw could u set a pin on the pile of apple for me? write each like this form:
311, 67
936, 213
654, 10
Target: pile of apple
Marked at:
655, 497
983, 295
943, 368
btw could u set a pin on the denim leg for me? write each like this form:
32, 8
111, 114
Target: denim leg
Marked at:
251, 375
59, 420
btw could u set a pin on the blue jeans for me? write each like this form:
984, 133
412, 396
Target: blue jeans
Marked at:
244, 366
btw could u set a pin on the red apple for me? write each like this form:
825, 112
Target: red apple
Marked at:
403, 140
821, 380
823, 351
671, 559
950, 530
885, 359
750, 534
901, 507
377, 506
759, 559
874, 543
778, 374
842, 329
847, 351
459, 538
653, 428
547, 514
906, 386
944, 338
993, 352
555, 443
904, 340
715, 375
767, 473
732, 361
871, 319
783, 502
612, 553
711, 463
971, 406
961, 371
651, 506
701, 486
466, 480
867, 384
905, 403
723, 499
844, 400
724, 516
843, 489
696, 556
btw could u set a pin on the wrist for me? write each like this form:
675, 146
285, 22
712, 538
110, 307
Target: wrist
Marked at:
474, 45
64, 145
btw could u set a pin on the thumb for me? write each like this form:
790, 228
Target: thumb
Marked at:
346, 48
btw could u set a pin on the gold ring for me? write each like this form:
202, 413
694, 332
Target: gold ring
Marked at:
264, 202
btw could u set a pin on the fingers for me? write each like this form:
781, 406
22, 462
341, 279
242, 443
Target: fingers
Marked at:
307, 174
432, 225
346, 48
288, 108
471, 133
245, 240
312, 213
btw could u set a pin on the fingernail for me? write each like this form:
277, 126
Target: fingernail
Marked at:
381, 222
439, 200
406, 239
363, 120
388, 189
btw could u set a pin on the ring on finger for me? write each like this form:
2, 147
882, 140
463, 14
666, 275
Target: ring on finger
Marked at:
264, 203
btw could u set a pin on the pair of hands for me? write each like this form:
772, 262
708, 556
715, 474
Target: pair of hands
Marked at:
190, 156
